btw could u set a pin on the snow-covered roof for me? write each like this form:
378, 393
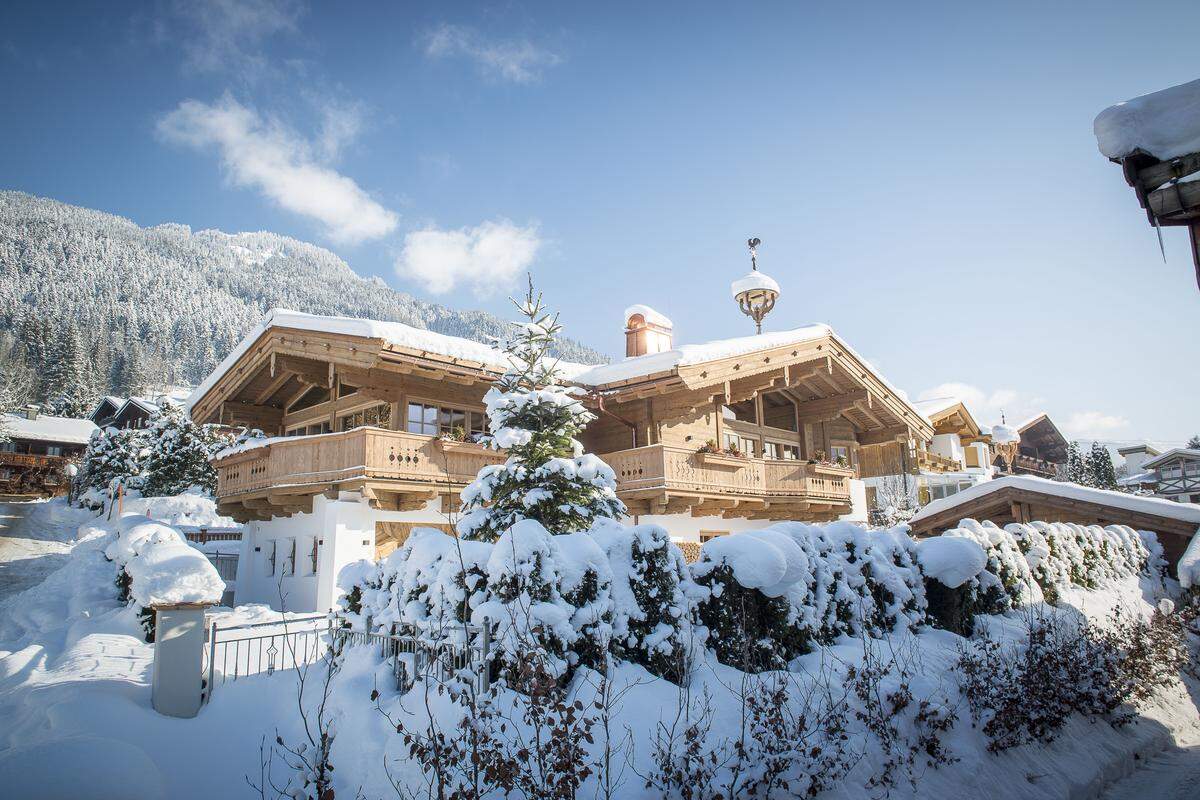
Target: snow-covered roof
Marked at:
1164, 124
1138, 479
395, 333
935, 405
49, 429
1186, 512
684, 355
648, 314
753, 280
1173, 453
1140, 447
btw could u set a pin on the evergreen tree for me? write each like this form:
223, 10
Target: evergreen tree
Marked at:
1100, 466
179, 452
1194, 442
1076, 471
70, 385
114, 455
547, 477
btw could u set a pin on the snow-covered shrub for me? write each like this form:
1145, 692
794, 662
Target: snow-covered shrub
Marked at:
952, 566
1010, 583
179, 452
156, 566
547, 476
749, 610
774, 593
652, 596
1064, 553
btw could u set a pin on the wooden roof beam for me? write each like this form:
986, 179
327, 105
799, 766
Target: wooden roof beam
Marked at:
828, 408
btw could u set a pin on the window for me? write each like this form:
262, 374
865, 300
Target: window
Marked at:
781, 450
378, 416
837, 451
706, 536
289, 566
8, 447
431, 420
1173, 471
313, 555
53, 450
742, 444
1192, 468
271, 558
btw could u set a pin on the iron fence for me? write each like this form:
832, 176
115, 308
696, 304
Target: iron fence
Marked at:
238, 651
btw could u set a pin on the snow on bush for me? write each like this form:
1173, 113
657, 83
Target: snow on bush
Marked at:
156, 566
1063, 553
1006, 581
951, 560
773, 594
653, 598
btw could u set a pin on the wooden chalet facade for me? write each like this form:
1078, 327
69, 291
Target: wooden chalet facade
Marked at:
371, 427
1178, 474
35, 459
1042, 451
370, 407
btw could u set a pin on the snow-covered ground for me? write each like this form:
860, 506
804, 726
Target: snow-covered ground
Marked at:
35, 540
77, 721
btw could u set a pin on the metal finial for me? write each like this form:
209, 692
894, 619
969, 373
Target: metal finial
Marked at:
754, 243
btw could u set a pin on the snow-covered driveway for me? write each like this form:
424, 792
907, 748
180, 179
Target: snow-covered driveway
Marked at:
1174, 774
35, 538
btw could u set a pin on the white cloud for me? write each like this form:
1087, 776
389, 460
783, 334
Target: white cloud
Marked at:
225, 35
264, 155
1093, 425
487, 257
516, 60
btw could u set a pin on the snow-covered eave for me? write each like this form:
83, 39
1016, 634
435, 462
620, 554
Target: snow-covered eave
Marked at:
1151, 506
1171, 455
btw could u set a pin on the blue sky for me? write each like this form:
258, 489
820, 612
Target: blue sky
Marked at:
923, 176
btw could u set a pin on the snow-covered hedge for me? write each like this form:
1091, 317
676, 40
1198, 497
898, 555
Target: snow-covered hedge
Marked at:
777, 593
156, 566
1063, 553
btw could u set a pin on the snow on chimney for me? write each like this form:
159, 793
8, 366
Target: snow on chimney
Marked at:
646, 331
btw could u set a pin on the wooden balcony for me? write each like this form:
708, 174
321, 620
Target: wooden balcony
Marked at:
932, 462
395, 470
665, 479
30, 460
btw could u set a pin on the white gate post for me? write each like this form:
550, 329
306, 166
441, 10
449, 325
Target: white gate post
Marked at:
178, 659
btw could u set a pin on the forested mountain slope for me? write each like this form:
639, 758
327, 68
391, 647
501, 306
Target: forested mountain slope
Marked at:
89, 297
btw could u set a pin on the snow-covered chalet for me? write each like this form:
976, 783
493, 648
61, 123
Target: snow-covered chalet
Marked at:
372, 427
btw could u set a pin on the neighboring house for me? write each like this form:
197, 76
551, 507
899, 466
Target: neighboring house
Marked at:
134, 412
958, 456
1042, 450
373, 421
1137, 477
1156, 140
34, 461
1177, 474
1024, 498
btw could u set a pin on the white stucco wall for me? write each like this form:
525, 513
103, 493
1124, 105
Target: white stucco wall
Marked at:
345, 531
948, 445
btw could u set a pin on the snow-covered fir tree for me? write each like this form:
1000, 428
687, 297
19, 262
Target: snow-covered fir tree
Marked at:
179, 452
114, 455
1076, 468
1100, 468
547, 476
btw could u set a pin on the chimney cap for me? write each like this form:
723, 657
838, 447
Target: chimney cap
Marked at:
648, 314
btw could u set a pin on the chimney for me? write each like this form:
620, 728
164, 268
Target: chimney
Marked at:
30, 411
646, 331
